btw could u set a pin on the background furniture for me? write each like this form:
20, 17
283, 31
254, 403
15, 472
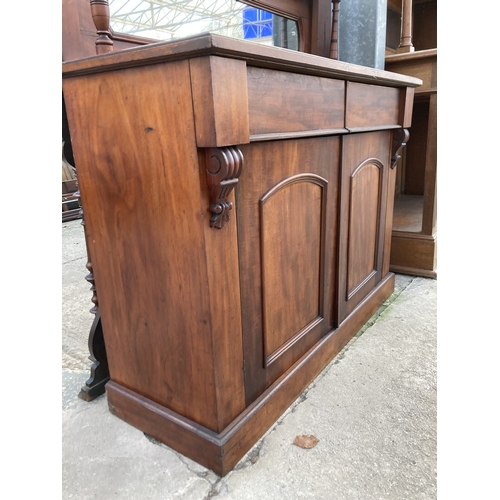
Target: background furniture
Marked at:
70, 208
79, 41
414, 235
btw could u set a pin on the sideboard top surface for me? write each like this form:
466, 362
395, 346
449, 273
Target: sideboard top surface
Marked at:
253, 53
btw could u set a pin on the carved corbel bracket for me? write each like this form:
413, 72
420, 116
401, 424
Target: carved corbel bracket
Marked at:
223, 166
399, 139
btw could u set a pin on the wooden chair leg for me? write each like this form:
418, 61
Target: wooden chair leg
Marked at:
99, 371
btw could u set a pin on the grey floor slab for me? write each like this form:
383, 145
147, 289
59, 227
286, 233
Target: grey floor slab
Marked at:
373, 410
76, 298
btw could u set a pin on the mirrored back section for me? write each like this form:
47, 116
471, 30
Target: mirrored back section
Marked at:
164, 20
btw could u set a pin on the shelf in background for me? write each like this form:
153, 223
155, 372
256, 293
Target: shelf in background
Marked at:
408, 210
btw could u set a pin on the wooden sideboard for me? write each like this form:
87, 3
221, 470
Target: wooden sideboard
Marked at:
238, 204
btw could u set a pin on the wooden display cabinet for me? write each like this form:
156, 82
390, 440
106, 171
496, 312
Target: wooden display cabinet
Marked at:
414, 236
238, 211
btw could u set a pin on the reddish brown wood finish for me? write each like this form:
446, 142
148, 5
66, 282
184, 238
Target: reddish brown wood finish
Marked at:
221, 452
223, 167
273, 91
220, 101
406, 28
254, 54
391, 182
287, 220
223, 293
369, 107
128, 195
100, 16
79, 31
363, 208
212, 330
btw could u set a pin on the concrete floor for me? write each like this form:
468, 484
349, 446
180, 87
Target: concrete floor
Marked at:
373, 410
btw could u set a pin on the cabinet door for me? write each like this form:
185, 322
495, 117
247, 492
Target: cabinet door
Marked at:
286, 205
363, 208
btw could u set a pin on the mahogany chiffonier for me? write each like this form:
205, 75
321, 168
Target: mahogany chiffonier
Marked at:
238, 204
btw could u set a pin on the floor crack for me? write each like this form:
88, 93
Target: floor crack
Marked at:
378, 313
83, 258
207, 475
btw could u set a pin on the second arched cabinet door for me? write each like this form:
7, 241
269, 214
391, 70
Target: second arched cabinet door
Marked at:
287, 206
306, 207
365, 179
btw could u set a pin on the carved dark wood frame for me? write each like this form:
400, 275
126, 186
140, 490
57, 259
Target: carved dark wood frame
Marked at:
104, 41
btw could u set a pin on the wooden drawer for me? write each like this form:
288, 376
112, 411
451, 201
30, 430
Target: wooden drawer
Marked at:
290, 104
372, 106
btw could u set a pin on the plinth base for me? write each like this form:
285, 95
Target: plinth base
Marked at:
220, 452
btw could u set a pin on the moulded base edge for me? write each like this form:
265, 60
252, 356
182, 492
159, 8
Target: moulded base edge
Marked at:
220, 452
414, 253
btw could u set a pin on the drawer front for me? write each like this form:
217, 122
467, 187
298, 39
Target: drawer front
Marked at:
372, 106
281, 102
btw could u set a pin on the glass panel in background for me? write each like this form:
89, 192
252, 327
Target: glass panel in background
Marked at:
173, 19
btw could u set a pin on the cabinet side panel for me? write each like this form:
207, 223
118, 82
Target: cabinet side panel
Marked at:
139, 178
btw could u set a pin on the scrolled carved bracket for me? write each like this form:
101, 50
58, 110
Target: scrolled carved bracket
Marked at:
399, 139
223, 166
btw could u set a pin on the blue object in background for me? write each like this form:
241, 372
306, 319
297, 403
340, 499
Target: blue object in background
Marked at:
257, 23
